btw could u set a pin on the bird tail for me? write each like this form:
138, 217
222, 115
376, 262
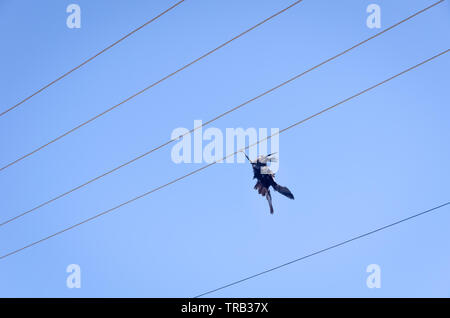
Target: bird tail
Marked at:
283, 190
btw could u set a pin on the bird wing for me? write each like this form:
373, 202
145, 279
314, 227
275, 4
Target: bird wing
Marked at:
283, 190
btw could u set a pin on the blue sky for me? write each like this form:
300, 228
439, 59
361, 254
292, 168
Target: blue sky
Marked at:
370, 162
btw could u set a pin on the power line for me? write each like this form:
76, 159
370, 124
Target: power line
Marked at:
148, 87
91, 58
224, 158
323, 250
212, 120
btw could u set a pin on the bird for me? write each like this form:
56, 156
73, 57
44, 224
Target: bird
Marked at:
265, 178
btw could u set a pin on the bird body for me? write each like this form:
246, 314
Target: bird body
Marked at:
265, 179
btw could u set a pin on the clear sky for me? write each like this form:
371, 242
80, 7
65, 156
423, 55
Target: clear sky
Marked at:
374, 160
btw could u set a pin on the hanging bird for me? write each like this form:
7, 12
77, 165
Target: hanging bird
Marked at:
265, 177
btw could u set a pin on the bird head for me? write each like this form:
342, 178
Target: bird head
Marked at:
262, 159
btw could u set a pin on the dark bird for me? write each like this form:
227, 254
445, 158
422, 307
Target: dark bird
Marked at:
265, 177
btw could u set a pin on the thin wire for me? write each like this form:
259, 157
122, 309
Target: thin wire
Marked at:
91, 58
148, 87
323, 250
221, 160
209, 121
